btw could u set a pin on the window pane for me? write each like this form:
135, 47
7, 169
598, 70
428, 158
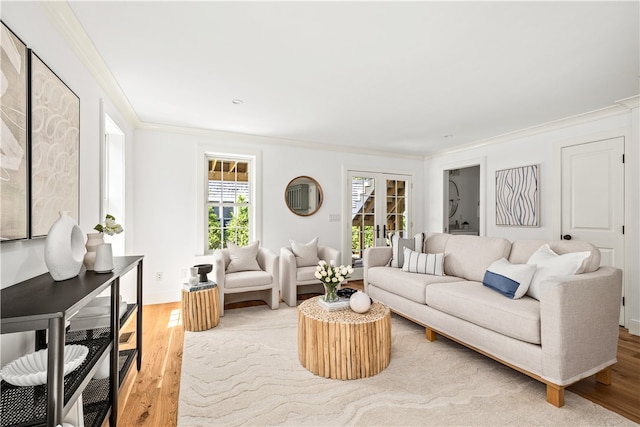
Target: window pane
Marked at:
214, 229
228, 202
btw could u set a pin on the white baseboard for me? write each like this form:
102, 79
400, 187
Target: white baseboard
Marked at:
633, 326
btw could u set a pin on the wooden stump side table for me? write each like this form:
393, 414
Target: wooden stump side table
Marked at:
344, 344
200, 309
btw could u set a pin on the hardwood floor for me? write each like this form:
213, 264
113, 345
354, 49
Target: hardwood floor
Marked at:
153, 393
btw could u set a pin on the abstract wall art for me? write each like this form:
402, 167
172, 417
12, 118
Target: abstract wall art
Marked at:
55, 148
518, 197
14, 170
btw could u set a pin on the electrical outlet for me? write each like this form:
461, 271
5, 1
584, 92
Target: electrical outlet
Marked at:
159, 276
183, 273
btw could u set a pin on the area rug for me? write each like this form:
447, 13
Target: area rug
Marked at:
246, 371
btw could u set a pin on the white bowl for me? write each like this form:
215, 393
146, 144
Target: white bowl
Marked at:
31, 369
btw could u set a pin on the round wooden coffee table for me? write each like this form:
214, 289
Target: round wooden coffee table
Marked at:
344, 344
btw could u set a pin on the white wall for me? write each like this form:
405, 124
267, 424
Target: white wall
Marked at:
167, 187
25, 259
541, 149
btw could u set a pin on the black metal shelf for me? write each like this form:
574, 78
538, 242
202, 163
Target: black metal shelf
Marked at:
40, 304
27, 406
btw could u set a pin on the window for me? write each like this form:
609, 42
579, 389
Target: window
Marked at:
229, 205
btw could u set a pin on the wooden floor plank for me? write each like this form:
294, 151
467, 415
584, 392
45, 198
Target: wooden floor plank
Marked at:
153, 400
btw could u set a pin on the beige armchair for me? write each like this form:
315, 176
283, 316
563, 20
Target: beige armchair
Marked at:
259, 283
293, 277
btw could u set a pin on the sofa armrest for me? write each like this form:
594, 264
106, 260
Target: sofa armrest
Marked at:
219, 268
288, 279
579, 318
374, 257
268, 261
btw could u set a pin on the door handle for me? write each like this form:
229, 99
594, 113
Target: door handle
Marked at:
377, 231
567, 237
384, 231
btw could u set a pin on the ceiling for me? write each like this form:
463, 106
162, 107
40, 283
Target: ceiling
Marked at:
403, 77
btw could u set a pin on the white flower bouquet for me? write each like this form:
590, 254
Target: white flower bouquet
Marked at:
331, 276
109, 227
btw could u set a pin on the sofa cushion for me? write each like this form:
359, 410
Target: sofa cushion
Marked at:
416, 262
407, 285
470, 256
521, 251
551, 265
247, 278
436, 242
473, 302
511, 280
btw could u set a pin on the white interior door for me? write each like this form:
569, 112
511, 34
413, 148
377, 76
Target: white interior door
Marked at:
380, 205
593, 198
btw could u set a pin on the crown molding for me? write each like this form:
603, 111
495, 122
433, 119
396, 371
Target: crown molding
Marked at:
231, 136
619, 107
73, 32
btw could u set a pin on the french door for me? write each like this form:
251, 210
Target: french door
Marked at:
380, 205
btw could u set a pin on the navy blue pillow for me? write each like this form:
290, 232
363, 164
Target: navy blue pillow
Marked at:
511, 280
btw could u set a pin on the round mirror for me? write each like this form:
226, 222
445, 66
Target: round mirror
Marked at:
303, 196
454, 198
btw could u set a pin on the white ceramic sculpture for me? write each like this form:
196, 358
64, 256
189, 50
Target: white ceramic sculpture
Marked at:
104, 258
93, 241
64, 248
360, 302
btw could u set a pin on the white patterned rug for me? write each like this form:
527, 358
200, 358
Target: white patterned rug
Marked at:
246, 371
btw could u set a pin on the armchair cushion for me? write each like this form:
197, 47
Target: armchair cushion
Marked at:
245, 279
306, 253
243, 258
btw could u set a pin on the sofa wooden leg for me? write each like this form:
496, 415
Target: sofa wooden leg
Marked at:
430, 334
604, 376
555, 395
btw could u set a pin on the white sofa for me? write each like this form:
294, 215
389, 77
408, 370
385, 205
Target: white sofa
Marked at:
569, 334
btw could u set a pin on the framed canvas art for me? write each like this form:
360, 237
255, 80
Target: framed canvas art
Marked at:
55, 148
14, 170
518, 197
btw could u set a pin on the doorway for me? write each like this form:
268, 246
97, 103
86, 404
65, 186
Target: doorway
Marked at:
461, 202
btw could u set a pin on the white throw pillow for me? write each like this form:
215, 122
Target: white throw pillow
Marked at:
306, 253
398, 244
511, 280
243, 258
416, 262
551, 265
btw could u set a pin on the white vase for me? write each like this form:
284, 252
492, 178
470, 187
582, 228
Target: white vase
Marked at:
93, 241
360, 302
104, 258
64, 248
194, 279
